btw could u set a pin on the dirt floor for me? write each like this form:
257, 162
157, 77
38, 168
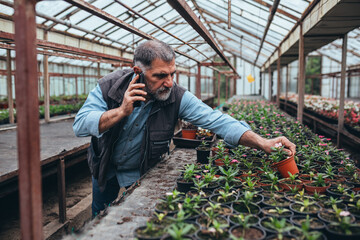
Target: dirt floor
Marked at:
78, 186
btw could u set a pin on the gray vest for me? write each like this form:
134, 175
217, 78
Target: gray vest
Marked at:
159, 130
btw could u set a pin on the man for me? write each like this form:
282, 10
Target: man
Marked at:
132, 123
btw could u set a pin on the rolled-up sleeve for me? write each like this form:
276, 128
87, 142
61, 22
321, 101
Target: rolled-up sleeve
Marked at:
198, 113
87, 119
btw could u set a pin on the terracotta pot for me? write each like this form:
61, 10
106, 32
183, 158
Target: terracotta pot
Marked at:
188, 133
286, 166
287, 186
312, 189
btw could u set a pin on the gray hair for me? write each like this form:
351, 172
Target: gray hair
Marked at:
150, 50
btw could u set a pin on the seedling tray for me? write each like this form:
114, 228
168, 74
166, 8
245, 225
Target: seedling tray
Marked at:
179, 141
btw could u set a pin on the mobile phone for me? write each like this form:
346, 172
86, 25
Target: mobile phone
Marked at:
140, 80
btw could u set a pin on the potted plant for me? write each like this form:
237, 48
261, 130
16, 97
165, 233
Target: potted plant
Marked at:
276, 225
306, 231
278, 212
319, 185
246, 230
311, 223
180, 231
238, 219
185, 182
338, 191
354, 209
203, 152
305, 207
169, 204
150, 231
291, 183
334, 215
216, 230
245, 205
188, 130
343, 230
282, 164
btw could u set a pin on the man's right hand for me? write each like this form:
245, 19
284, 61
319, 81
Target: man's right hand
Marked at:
133, 93
109, 118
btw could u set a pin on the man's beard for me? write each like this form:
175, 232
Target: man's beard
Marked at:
160, 94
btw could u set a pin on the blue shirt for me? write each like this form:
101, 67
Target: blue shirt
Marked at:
128, 144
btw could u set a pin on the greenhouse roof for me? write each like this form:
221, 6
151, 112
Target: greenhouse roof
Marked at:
157, 19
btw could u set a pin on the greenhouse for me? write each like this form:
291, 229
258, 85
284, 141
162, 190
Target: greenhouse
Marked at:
180, 119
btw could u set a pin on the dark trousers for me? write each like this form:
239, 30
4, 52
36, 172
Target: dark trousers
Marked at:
103, 199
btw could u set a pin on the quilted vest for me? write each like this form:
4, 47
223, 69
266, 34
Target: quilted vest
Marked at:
159, 130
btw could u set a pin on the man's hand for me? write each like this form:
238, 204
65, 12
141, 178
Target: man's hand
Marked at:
132, 94
290, 148
251, 139
109, 118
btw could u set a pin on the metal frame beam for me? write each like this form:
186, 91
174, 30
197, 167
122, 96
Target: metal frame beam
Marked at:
271, 16
185, 11
110, 18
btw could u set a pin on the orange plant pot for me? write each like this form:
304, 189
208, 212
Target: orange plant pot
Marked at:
286, 166
188, 133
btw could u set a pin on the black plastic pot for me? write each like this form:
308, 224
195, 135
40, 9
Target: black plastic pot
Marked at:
257, 199
294, 219
270, 230
305, 213
325, 220
214, 198
183, 186
202, 156
260, 230
254, 220
334, 194
144, 237
334, 234
265, 214
202, 219
240, 207
195, 193
285, 237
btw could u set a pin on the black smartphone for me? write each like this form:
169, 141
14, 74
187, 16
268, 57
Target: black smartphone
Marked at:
140, 80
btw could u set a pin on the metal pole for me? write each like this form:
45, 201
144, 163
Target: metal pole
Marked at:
61, 189
287, 87
9, 86
177, 78
84, 80
226, 88
229, 14
270, 84
342, 89
28, 132
76, 87
301, 78
218, 93
46, 84
198, 82
278, 79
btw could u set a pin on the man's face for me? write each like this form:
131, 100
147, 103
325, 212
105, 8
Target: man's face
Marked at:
159, 79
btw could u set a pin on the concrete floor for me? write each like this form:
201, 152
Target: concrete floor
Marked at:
54, 138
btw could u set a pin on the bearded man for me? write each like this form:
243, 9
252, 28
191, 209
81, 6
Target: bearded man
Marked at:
131, 115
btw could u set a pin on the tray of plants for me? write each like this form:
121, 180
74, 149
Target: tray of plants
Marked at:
200, 135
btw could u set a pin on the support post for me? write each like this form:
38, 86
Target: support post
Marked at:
46, 84
198, 82
61, 189
98, 70
234, 85
226, 88
177, 78
260, 82
229, 14
278, 91
218, 92
342, 90
189, 82
301, 78
84, 80
286, 87
76, 87
270, 84
9, 86
28, 132
349, 84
